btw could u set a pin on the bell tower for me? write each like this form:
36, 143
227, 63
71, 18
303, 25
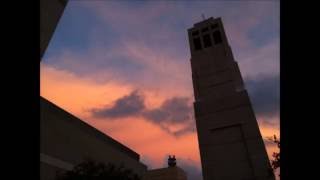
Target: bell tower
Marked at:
231, 146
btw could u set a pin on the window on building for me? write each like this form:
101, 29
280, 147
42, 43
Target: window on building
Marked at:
205, 29
217, 37
194, 33
214, 26
197, 43
207, 40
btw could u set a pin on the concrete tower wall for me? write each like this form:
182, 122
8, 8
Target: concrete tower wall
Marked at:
231, 146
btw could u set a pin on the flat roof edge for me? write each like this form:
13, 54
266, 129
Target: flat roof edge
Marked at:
92, 130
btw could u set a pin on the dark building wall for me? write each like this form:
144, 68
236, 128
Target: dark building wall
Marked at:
66, 141
49, 172
170, 173
50, 14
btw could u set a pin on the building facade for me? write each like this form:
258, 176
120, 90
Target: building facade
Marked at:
50, 14
66, 141
231, 146
169, 173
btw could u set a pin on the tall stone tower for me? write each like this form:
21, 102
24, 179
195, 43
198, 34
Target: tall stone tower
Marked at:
231, 146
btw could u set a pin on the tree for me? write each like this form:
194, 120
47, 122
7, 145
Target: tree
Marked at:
275, 163
91, 170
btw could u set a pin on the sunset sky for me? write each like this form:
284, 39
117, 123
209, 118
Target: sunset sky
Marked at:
124, 68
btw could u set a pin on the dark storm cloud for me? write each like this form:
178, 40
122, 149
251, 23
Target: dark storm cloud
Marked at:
128, 105
265, 95
176, 110
191, 127
188, 127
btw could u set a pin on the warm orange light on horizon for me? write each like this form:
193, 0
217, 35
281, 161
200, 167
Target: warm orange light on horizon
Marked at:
78, 95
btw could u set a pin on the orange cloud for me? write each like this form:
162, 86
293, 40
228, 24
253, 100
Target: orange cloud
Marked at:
150, 141
268, 130
77, 95
74, 94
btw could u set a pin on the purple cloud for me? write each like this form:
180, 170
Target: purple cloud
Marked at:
176, 110
129, 105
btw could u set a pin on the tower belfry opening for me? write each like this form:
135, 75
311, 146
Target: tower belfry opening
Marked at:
231, 146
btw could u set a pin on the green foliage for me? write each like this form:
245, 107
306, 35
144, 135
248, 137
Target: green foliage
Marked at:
91, 170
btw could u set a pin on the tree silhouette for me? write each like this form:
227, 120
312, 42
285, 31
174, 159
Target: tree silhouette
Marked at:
275, 163
91, 170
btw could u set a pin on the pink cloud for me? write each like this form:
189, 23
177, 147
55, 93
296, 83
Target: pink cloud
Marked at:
148, 139
165, 74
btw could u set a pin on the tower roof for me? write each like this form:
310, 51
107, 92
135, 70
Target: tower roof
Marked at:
211, 19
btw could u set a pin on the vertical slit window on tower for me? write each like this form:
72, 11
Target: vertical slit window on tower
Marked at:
205, 29
197, 43
217, 37
214, 26
194, 33
207, 40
